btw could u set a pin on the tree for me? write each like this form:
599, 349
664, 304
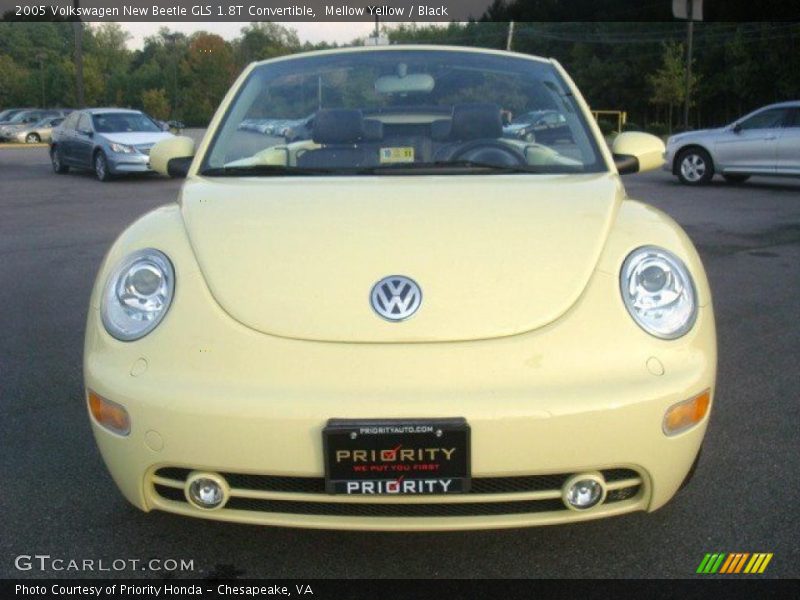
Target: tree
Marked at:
108, 54
14, 78
210, 68
669, 81
263, 40
156, 103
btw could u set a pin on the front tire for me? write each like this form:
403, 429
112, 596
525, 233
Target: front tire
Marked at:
736, 178
32, 138
101, 167
58, 163
695, 167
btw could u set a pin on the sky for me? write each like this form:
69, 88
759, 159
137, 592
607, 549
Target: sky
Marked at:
311, 32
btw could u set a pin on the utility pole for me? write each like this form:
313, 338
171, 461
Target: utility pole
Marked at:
510, 37
41, 56
172, 38
689, 39
691, 10
77, 26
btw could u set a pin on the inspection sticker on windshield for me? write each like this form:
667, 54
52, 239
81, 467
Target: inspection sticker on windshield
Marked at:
397, 155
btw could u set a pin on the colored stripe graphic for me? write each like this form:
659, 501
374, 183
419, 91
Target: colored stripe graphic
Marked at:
734, 563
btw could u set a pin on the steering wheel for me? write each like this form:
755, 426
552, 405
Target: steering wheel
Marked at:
491, 152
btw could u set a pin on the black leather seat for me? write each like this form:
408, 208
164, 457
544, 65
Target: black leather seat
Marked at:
470, 122
342, 133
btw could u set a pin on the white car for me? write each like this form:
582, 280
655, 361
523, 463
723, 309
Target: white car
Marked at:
764, 142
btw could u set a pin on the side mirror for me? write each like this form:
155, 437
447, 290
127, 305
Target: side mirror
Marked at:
172, 156
737, 128
635, 152
87, 132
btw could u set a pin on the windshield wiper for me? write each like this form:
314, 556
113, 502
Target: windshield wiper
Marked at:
454, 167
261, 170
458, 166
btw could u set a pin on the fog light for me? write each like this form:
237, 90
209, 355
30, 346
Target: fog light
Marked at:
685, 414
109, 414
206, 490
584, 491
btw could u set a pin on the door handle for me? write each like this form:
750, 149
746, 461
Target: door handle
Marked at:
771, 137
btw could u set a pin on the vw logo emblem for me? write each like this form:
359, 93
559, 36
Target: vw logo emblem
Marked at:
396, 298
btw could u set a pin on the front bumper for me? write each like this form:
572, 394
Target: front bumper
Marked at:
669, 159
585, 393
119, 164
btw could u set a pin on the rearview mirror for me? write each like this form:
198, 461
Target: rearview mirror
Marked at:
635, 152
172, 156
394, 84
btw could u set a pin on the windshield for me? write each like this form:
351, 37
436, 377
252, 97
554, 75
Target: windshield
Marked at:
400, 111
47, 122
122, 122
20, 117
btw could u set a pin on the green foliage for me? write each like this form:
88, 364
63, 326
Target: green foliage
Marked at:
737, 66
635, 67
156, 104
14, 78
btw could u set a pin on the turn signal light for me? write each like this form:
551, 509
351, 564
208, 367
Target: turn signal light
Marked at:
686, 414
109, 414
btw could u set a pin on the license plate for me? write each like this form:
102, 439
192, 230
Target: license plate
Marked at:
396, 457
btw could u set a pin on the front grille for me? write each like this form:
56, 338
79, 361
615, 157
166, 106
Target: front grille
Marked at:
316, 485
626, 484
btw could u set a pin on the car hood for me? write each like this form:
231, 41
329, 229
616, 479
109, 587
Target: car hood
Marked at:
135, 138
494, 255
696, 134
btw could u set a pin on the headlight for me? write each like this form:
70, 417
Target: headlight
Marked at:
123, 149
137, 294
658, 292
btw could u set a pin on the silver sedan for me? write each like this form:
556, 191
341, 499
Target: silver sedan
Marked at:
34, 133
764, 142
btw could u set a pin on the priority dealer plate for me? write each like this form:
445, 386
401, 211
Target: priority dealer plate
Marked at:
427, 456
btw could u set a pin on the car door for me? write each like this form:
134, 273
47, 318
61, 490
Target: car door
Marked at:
83, 141
788, 162
751, 144
65, 137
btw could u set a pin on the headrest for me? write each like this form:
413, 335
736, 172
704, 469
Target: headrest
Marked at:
476, 121
344, 126
440, 130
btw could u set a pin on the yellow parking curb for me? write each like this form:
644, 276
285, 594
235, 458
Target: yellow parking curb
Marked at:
9, 146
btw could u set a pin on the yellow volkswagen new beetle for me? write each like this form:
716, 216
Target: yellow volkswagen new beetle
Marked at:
399, 316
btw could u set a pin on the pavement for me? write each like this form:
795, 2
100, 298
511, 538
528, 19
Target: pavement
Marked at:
58, 499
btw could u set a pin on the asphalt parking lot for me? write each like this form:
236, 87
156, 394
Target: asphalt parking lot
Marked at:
59, 500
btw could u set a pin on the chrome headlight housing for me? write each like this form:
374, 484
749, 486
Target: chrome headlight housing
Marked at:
137, 294
122, 148
658, 292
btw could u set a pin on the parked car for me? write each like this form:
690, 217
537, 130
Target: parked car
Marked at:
7, 114
541, 126
34, 133
764, 142
405, 321
32, 115
109, 141
299, 130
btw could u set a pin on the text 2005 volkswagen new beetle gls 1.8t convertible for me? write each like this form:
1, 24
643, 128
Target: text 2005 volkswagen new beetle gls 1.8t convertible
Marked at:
401, 320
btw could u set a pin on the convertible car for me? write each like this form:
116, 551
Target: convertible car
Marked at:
401, 320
